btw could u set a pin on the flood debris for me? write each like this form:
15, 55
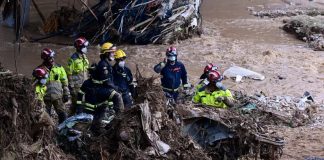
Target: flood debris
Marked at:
25, 131
132, 21
238, 73
308, 29
287, 12
146, 130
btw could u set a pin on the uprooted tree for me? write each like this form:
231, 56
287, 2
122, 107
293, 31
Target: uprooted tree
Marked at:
130, 21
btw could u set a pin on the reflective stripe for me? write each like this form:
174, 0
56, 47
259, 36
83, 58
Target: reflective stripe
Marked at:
171, 90
110, 103
112, 94
90, 105
99, 82
81, 92
89, 109
95, 106
78, 102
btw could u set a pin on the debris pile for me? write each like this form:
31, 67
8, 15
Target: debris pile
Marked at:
275, 13
61, 19
147, 132
132, 21
22, 134
308, 29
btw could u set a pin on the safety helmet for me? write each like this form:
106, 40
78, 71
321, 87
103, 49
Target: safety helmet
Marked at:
120, 54
81, 42
47, 53
40, 73
210, 67
107, 47
214, 76
171, 51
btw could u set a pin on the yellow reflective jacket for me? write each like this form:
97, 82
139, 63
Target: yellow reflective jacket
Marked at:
40, 91
77, 69
77, 64
210, 99
57, 83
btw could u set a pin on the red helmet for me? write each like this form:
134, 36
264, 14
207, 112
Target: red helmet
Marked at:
47, 54
81, 42
210, 67
40, 73
214, 76
172, 51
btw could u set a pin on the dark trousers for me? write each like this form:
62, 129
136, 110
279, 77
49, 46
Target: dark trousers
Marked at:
58, 106
128, 100
171, 94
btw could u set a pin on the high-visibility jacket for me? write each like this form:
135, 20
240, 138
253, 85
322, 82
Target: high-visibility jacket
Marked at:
77, 69
40, 91
56, 82
210, 99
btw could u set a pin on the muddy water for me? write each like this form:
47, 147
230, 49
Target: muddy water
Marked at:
231, 37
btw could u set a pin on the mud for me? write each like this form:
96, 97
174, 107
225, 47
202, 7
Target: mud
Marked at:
229, 38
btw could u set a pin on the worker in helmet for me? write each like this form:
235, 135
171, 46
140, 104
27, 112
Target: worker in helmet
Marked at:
40, 75
94, 98
77, 69
209, 67
57, 92
204, 77
123, 78
173, 74
104, 72
214, 94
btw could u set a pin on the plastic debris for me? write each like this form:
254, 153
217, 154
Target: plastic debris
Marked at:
238, 72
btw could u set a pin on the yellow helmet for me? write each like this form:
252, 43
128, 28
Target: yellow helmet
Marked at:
120, 54
107, 47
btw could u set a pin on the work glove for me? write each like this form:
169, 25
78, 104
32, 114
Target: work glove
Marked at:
220, 99
66, 98
186, 89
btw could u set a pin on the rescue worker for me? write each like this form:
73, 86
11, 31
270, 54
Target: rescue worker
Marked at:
94, 98
57, 92
209, 67
173, 74
77, 70
40, 75
212, 94
123, 78
104, 73
204, 77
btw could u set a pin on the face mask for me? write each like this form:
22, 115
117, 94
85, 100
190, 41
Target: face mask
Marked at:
121, 64
172, 58
111, 57
43, 81
84, 50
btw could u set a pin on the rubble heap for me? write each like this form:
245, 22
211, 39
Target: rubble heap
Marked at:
147, 132
21, 128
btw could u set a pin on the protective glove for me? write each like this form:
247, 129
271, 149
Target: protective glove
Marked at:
220, 99
66, 98
186, 89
